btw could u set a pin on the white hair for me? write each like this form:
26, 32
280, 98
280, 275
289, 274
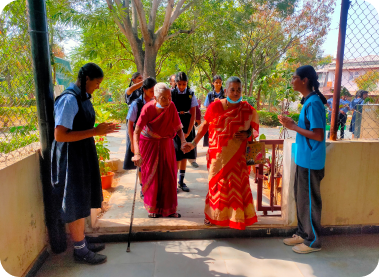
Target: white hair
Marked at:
232, 79
159, 88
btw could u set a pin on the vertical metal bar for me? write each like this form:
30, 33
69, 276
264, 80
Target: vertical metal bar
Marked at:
339, 65
260, 187
272, 187
38, 31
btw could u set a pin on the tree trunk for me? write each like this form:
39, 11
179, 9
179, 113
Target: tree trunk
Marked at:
139, 58
259, 98
150, 62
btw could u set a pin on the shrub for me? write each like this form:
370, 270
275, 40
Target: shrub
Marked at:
271, 119
118, 112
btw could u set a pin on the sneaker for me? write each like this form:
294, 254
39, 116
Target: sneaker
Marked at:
141, 195
304, 249
194, 164
184, 187
294, 240
91, 258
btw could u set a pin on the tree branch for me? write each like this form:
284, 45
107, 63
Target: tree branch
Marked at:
180, 32
179, 10
153, 15
142, 21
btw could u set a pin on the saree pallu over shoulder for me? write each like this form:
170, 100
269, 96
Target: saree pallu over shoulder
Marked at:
229, 201
158, 153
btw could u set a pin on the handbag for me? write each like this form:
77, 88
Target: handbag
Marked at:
255, 152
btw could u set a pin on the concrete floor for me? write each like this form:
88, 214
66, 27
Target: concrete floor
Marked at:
353, 255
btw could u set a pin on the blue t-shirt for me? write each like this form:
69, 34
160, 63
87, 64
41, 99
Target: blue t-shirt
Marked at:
311, 153
330, 102
345, 102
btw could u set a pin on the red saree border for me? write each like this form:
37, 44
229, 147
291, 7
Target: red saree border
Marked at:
232, 224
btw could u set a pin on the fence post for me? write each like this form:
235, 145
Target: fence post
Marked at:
38, 31
339, 65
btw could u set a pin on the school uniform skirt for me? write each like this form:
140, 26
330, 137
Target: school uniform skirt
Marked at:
185, 119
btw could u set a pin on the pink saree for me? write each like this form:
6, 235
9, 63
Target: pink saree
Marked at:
159, 163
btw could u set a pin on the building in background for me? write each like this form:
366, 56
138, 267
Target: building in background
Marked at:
352, 69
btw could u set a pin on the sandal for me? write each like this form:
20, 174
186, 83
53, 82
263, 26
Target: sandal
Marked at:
207, 222
175, 215
154, 215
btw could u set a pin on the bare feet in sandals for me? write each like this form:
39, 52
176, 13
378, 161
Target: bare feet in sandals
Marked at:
154, 215
175, 215
207, 222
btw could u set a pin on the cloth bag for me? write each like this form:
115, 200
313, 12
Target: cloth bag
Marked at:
255, 152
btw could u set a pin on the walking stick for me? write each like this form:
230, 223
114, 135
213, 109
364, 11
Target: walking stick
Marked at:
132, 215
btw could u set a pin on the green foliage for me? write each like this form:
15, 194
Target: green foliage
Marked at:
17, 141
102, 154
271, 119
115, 112
18, 116
251, 100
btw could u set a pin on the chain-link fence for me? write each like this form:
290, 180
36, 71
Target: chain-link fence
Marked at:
359, 109
18, 114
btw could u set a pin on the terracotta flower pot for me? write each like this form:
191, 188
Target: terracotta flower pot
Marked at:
106, 180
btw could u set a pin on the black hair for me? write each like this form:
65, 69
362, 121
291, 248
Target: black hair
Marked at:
181, 76
361, 92
307, 71
135, 75
216, 77
92, 71
148, 83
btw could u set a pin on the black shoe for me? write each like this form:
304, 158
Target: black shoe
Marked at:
95, 247
91, 258
184, 187
141, 195
195, 165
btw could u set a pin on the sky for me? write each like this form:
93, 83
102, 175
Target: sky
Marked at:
369, 41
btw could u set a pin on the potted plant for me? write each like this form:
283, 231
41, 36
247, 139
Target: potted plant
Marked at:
103, 155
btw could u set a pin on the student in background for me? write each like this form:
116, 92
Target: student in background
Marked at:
172, 81
344, 106
216, 93
185, 102
134, 91
132, 118
310, 155
360, 97
197, 124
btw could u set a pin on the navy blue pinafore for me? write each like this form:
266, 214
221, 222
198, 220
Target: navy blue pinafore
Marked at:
75, 168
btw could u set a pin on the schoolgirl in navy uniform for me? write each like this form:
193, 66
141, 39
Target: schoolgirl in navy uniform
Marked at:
132, 118
185, 101
216, 93
75, 168
134, 90
309, 158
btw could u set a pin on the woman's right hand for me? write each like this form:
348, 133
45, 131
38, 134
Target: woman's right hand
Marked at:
106, 128
137, 159
187, 147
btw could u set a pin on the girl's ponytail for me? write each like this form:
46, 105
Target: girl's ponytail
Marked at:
316, 86
307, 71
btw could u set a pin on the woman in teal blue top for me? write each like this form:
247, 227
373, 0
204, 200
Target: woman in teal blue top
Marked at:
309, 159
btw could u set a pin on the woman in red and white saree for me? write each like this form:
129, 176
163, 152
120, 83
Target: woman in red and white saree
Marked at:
230, 123
154, 152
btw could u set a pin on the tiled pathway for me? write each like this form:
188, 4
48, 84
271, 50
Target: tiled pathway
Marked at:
354, 255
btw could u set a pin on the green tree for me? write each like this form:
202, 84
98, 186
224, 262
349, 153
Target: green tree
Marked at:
368, 81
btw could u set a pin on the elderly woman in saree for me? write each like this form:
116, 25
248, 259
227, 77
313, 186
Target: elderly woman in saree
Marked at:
230, 123
154, 152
